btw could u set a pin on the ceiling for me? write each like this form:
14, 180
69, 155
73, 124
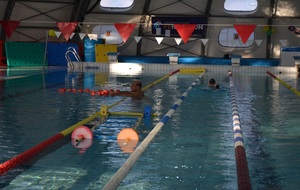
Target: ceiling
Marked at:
44, 13
37, 16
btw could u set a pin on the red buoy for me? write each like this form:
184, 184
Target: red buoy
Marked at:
127, 140
82, 137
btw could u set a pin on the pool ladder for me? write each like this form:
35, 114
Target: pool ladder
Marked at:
77, 57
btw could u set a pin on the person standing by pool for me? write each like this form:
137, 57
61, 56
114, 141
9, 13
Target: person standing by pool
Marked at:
136, 91
213, 84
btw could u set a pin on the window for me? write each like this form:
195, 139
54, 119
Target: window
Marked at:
240, 7
116, 5
229, 37
109, 33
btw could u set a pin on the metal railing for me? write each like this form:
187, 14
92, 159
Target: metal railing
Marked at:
73, 51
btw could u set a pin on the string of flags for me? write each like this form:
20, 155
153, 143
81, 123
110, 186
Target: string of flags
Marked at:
125, 29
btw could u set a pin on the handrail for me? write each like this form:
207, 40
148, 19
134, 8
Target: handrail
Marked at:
77, 57
68, 58
240, 154
115, 180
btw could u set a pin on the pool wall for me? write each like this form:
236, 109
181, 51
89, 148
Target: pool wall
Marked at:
199, 60
136, 68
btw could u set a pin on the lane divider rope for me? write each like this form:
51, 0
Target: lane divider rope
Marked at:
284, 83
26, 155
116, 179
240, 153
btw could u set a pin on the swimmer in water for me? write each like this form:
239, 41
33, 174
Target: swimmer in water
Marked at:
213, 84
136, 91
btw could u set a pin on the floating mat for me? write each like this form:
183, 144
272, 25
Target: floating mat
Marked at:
56, 53
89, 49
102, 50
25, 53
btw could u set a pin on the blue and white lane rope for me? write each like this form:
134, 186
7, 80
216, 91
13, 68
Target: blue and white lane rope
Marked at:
115, 180
238, 137
240, 153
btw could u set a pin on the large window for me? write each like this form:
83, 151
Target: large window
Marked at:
229, 37
240, 7
116, 5
109, 33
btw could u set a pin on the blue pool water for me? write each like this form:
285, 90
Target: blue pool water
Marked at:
194, 149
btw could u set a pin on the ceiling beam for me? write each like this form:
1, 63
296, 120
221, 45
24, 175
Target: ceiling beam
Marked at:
41, 1
9, 8
141, 27
273, 10
207, 14
79, 10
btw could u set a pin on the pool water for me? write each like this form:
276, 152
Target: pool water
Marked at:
194, 149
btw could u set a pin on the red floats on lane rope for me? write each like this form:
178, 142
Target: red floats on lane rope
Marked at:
62, 89
100, 92
93, 93
127, 140
244, 181
82, 137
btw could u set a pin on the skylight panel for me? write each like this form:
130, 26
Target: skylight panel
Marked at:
116, 5
240, 7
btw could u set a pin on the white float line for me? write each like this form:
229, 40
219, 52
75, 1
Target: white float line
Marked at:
115, 180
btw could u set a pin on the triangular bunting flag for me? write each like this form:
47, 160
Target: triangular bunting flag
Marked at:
177, 40
204, 41
244, 31
67, 28
137, 38
72, 35
185, 31
159, 39
258, 42
125, 30
57, 34
283, 42
82, 35
9, 26
93, 36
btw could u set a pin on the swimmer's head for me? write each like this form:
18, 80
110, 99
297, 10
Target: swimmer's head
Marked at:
212, 81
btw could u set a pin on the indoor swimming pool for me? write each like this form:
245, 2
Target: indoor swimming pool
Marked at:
193, 150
